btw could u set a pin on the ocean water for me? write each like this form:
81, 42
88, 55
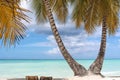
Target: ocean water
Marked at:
55, 68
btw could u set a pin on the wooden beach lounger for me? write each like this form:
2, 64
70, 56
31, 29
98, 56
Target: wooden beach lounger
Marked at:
45, 78
31, 77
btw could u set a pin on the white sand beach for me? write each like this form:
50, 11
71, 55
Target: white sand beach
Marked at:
91, 77
12, 79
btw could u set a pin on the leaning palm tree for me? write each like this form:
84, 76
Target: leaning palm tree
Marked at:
12, 28
93, 13
109, 11
44, 11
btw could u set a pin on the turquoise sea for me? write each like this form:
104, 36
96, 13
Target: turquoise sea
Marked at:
55, 68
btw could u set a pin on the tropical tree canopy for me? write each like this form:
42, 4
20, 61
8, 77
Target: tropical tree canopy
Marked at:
12, 28
59, 7
97, 13
91, 13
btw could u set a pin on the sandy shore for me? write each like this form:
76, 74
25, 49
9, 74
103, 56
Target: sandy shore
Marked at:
12, 79
91, 77
94, 77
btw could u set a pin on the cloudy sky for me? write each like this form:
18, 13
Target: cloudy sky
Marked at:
39, 42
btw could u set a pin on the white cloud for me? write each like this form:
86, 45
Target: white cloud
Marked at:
39, 44
23, 4
117, 34
53, 51
74, 44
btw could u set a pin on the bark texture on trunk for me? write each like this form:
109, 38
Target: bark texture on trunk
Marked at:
78, 69
96, 66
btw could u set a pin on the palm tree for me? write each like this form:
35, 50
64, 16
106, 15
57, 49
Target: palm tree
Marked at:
12, 28
44, 13
93, 13
110, 20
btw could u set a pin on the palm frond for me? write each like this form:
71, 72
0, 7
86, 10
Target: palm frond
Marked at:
60, 8
78, 12
12, 28
112, 16
40, 12
91, 12
91, 16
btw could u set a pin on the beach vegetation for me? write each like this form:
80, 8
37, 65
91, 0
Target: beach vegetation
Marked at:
94, 13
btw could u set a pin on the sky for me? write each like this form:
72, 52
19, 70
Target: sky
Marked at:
39, 42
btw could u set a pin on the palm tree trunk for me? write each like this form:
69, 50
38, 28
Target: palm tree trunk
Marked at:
78, 69
96, 66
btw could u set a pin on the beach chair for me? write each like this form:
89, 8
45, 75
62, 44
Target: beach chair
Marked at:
31, 77
45, 78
